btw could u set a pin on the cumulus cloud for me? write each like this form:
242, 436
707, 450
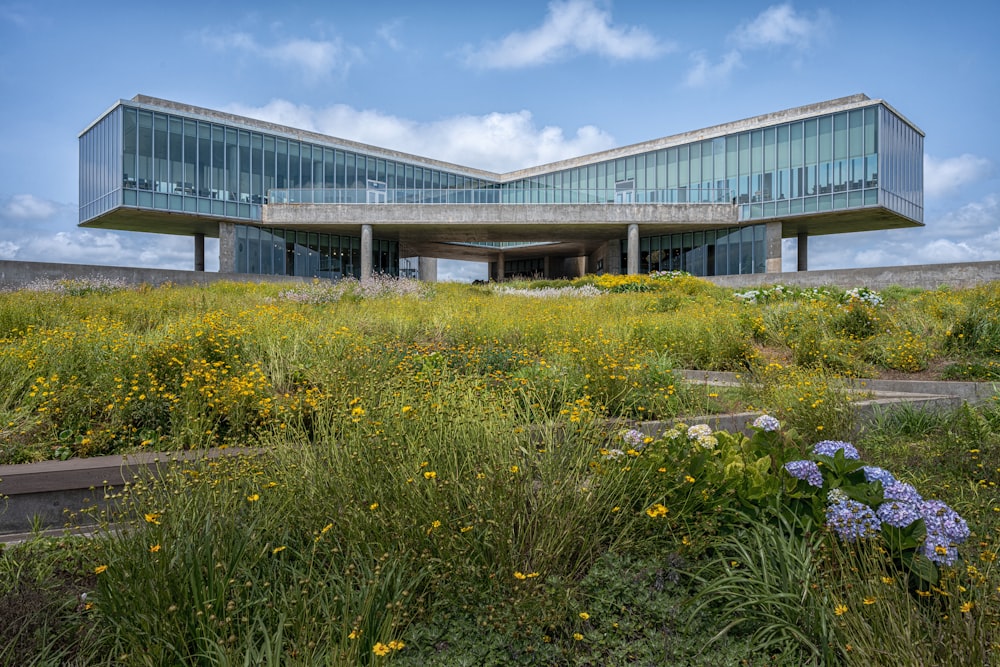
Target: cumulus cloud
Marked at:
779, 25
570, 28
970, 233
943, 177
387, 33
28, 207
497, 141
704, 72
315, 59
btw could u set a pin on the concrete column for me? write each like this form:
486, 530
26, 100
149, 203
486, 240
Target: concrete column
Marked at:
498, 274
427, 269
227, 247
632, 261
366, 252
199, 252
547, 266
803, 251
772, 247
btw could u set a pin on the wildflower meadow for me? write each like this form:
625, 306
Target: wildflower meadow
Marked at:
515, 474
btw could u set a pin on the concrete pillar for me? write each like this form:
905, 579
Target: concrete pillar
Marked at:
772, 247
427, 269
199, 252
498, 273
366, 252
547, 266
632, 261
227, 247
803, 251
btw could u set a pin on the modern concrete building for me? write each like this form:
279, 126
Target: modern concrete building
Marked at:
715, 201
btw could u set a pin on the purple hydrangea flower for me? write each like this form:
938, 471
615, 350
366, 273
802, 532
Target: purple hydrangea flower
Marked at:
852, 520
939, 550
898, 513
902, 491
944, 522
806, 470
830, 447
767, 423
876, 474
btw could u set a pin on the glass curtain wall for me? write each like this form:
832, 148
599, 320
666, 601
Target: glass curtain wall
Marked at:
101, 175
150, 159
308, 254
825, 163
716, 252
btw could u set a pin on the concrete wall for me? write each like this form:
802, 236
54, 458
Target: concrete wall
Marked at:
924, 276
15, 275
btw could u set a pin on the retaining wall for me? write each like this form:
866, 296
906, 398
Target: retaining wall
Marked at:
924, 276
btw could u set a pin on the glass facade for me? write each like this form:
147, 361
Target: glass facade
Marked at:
159, 156
716, 252
177, 163
270, 251
824, 163
101, 167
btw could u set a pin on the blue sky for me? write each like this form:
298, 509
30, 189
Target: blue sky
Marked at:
498, 86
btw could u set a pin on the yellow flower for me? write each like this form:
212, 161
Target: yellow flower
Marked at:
277, 550
514, 469
966, 607
532, 574
153, 518
577, 636
355, 633
253, 498
584, 615
840, 609
520, 575
380, 649
396, 645
153, 549
689, 479
430, 474
373, 506
869, 600
326, 529
886, 580
923, 594
100, 568
656, 511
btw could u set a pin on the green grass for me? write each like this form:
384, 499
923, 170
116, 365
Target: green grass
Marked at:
443, 476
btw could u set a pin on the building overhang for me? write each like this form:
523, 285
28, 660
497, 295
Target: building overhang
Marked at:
126, 218
864, 219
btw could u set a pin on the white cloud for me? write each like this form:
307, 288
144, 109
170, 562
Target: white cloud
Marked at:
28, 207
387, 33
779, 25
497, 141
456, 271
571, 27
704, 73
8, 250
315, 59
970, 233
943, 177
